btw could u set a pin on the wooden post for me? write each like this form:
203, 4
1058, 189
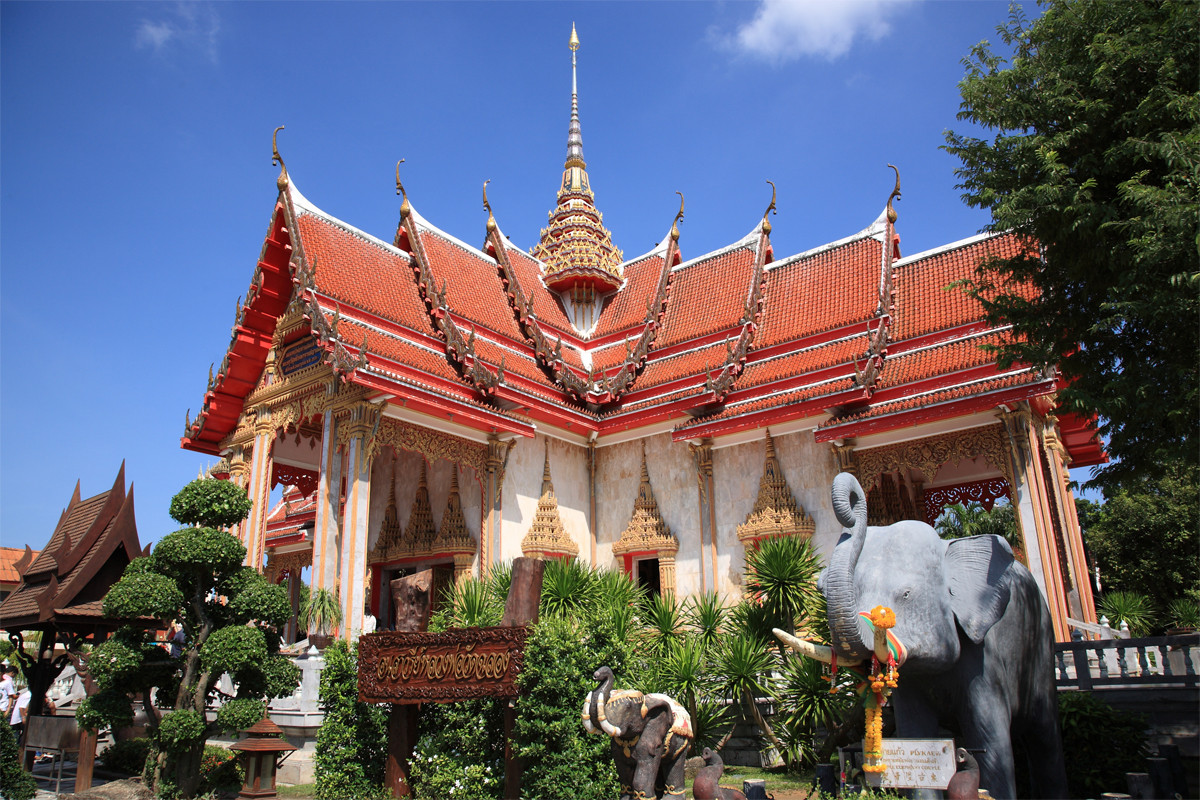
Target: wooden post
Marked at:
86, 760
402, 739
524, 592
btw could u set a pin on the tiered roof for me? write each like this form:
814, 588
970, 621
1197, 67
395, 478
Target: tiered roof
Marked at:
65, 584
849, 336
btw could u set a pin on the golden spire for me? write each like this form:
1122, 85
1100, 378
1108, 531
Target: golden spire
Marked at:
647, 530
576, 236
775, 511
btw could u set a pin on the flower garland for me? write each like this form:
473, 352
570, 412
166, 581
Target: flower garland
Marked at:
875, 687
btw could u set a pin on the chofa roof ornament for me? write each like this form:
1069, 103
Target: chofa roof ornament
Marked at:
277, 161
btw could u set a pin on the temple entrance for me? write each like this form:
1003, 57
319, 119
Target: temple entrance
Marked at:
648, 576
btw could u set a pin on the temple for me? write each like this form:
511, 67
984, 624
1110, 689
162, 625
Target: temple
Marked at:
429, 403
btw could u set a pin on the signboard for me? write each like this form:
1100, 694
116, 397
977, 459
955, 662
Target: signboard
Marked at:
300, 355
915, 764
395, 667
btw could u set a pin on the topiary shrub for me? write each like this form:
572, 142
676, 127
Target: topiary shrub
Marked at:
15, 782
352, 741
128, 756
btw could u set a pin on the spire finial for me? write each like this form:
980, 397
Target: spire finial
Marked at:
277, 161
574, 134
678, 219
574, 44
766, 224
491, 222
547, 485
405, 207
891, 212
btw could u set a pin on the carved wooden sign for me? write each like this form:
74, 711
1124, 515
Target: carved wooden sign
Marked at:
405, 668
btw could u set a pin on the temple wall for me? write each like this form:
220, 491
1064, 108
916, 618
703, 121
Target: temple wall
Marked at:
737, 470
673, 478
406, 474
523, 488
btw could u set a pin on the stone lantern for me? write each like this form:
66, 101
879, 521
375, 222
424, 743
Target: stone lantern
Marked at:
261, 749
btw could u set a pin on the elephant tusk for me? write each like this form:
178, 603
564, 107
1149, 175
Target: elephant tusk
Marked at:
587, 715
818, 652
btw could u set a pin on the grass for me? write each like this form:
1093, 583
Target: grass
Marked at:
297, 791
776, 777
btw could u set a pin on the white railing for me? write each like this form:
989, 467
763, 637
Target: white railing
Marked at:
1154, 660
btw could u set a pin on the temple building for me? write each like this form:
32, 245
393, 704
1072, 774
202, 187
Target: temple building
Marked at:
429, 403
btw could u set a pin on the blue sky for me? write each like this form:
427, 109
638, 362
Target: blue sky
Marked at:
137, 181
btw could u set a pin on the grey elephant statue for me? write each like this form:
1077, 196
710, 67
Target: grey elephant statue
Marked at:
972, 633
651, 735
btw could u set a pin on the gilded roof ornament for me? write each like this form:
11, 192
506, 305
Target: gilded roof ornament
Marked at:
277, 161
405, 206
491, 221
678, 219
574, 43
891, 212
766, 224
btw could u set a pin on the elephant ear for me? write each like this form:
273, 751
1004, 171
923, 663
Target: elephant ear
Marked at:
975, 570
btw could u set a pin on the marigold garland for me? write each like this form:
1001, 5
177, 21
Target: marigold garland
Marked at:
874, 691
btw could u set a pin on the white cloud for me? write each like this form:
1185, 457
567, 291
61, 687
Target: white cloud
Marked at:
785, 30
190, 25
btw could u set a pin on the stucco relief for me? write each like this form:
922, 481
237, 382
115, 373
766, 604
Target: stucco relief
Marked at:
523, 487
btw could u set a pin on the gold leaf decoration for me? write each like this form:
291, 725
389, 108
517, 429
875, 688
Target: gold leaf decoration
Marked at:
546, 537
775, 511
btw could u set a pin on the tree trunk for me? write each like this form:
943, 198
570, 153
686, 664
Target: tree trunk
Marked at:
187, 769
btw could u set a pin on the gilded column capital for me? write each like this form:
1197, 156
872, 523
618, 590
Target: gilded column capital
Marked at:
359, 421
496, 459
263, 424
239, 462
844, 459
702, 457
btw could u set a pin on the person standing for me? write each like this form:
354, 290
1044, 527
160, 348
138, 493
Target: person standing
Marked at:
8, 689
20, 713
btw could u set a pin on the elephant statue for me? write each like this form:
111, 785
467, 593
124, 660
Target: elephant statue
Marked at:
707, 783
650, 735
972, 638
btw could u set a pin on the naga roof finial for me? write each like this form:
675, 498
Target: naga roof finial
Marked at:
491, 221
766, 224
678, 219
895, 195
277, 161
405, 206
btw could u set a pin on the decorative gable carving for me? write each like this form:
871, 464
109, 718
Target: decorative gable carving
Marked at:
775, 511
647, 530
547, 538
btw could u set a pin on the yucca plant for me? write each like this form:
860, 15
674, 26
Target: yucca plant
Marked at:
1136, 610
781, 573
1183, 612
684, 673
567, 587
473, 605
662, 616
804, 700
321, 614
616, 598
744, 666
706, 615
711, 724
499, 578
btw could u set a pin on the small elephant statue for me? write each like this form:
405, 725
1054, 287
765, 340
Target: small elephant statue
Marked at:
707, 784
651, 735
972, 634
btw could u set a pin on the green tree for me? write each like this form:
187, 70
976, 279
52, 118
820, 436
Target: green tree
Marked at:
1095, 158
231, 617
1144, 537
972, 519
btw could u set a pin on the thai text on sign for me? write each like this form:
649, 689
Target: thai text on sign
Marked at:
915, 764
443, 667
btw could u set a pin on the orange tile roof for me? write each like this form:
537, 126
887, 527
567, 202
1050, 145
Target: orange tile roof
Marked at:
473, 286
742, 408
935, 398
821, 292
547, 307
396, 349
758, 373
687, 364
362, 273
9, 556
627, 308
925, 303
707, 296
943, 359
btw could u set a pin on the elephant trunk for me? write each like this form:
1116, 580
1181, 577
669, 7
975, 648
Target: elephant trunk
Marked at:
850, 507
594, 713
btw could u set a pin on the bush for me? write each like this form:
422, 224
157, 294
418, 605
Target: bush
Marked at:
352, 741
1100, 744
561, 759
449, 764
15, 782
128, 756
220, 770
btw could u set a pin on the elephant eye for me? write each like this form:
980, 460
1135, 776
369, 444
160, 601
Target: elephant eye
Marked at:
907, 593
